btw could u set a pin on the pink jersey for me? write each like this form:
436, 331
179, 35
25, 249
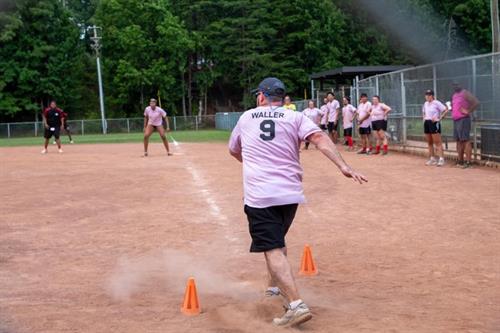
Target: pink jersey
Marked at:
458, 102
268, 139
348, 112
363, 109
432, 110
314, 114
324, 114
378, 112
333, 107
155, 116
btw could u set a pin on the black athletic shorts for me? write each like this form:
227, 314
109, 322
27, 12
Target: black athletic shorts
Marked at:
332, 126
52, 130
461, 129
365, 130
379, 125
348, 131
431, 127
268, 226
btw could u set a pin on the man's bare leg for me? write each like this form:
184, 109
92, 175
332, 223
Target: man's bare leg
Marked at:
468, 150
281, 273
272, 285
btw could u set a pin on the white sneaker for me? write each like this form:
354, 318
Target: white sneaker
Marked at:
72, 142
294, 317
44, 151
431, 161
272, 291
54, 143
440, 162
60, 151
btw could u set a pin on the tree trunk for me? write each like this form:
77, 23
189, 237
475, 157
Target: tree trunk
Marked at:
183, 95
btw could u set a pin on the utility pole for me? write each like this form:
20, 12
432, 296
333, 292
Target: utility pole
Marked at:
96, 45
495, 26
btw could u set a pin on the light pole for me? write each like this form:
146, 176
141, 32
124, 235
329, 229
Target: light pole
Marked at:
96, 45
495, 26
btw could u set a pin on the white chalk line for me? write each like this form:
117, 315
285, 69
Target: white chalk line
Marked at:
219, 217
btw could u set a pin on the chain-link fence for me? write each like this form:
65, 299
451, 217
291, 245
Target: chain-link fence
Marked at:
94, 126
404, 92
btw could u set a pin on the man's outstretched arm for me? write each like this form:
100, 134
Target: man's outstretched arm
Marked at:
326, 146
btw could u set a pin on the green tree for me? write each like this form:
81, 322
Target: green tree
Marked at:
144, 51
40, 59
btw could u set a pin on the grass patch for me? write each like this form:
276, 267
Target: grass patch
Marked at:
180, 136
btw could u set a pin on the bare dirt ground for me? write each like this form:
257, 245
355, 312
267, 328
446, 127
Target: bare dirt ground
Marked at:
99, 239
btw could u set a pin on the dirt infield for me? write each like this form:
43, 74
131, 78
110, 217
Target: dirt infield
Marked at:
99, 239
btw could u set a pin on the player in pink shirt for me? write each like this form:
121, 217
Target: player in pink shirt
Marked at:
153, 120
313, 113
378, 117
266, 140
333, 109
324, 118
433, 111
364, 112
348, 113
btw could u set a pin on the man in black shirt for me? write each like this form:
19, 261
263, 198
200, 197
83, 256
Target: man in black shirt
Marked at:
53, 120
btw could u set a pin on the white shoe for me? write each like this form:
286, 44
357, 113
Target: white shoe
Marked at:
54, 143
60, 151
44, 151
272, 291
72, 142
294, 317
431, 161
440, 162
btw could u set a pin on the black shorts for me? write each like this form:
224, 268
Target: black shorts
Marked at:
365, 130
322, 127
332, 126
348, 131
268, 226
56, 132
378, 125
431, 127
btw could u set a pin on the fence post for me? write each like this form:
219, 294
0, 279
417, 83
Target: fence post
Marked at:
434, 81
175, 123
83, 128
377, 91
36, 128
8, 130
128, 126
196, 122
474, 123
403, 104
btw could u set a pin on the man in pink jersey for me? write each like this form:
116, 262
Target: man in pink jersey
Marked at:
313, 113
333, 108
364, 113
348, 112
266, 140
463, 103
378, 118
153, 120
324, 118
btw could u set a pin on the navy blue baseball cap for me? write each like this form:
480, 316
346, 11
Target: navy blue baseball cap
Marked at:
271, 86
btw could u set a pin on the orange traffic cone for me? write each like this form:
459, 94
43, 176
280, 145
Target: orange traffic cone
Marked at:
191, 305
307, 266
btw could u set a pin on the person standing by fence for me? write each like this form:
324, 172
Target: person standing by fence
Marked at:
348, 112
364, 111
324, 115
463, 104
313, 113
378, 118
288, 104
433, 112
333, 116
153, 120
